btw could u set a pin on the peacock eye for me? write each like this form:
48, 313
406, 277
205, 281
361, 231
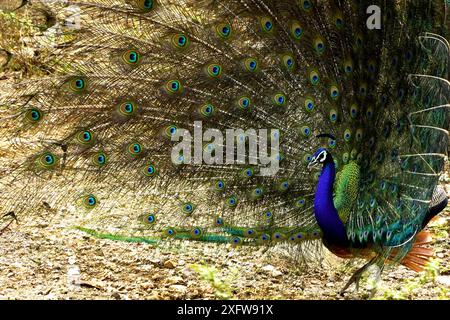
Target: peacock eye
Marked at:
279, 99
306, 5
180, 41
322, 156
266, 25
214, 70
148, 4
223, 30
134, 149
151, 218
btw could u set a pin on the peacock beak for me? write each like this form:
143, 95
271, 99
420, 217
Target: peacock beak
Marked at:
312, 163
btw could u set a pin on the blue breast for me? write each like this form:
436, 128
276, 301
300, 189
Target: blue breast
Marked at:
334, 232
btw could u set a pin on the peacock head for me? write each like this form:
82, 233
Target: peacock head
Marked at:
320, 157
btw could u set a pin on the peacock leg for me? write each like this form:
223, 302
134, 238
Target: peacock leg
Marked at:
377, 280
356, 277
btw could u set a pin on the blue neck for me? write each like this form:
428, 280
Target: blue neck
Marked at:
326, 214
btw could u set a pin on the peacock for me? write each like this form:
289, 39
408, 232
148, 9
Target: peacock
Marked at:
239, 122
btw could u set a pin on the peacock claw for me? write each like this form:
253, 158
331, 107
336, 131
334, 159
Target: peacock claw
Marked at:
11, 215
356, 277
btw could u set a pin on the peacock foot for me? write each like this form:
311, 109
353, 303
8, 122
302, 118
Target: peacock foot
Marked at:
356, 277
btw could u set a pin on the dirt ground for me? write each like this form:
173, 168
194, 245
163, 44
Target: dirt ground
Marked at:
46, 259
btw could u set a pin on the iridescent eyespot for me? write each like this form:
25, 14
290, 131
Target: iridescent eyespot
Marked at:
265, 238
147, 4
380, 157
393, 188
197, 232
409, 55
89, 201
307, 158
218, 221
214, 70
207, 110
179, 41
268, 215
296, 30
77, 84
369, 113
134, 149
220, 185
257, 192
345, 157
170, 130
249, 233
372, 202
33, 115
314, 78
288, 62
47, 160
334, 92
332, 143
299, 203
348, 67
338, 20
354, 110
99, 159
306, 5
127, 108
333, 115
306, 131
371, 66
251, 64
131, 57
187, 208
359, 135
277, 236
363, 89
144, 6
358, 41
319, 45
223, 30
309, 104
150, 218
266, 24
247, 173
347, 135
279, 99
173, 86
149, 170
236, 241
171, 232
244, 103
232, 201
359, 158
283, 186
85, 137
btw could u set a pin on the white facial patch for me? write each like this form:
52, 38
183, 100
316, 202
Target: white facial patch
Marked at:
322, 156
